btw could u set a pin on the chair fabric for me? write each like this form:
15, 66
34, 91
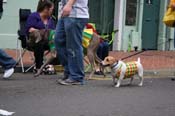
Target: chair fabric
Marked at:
23, 15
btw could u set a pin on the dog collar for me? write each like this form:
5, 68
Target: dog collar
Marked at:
114, 65
117, 68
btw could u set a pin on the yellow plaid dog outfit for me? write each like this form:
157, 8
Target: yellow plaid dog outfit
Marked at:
131, 70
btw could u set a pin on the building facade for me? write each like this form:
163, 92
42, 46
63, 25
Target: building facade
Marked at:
9, 24
139, 23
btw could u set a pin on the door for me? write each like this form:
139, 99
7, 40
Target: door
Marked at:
102, 14
150, 24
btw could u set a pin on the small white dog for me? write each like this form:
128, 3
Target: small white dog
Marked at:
121, 70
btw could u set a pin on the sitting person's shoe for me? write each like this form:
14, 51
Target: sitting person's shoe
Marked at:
69, 82
8, 73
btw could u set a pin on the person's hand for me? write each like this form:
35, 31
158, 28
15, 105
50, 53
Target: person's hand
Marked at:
66, 10
32, 29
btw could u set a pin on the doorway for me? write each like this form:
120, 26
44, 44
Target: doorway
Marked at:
150, 24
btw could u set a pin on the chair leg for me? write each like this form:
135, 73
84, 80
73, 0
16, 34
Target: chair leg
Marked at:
21, 59
27, 70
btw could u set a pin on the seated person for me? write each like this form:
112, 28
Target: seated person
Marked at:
102, 52
40, 20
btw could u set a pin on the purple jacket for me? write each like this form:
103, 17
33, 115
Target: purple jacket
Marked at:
34, 20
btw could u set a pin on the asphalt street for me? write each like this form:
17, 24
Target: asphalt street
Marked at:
29, 96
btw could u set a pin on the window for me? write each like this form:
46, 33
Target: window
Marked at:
131, 12
149, 2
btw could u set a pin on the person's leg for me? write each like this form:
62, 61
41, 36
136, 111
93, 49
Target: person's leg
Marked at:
39, 54
74, 29
8, 63
99, 51
105, 50
60, 44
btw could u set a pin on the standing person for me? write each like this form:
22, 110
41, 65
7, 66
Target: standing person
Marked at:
68, 40
6, 61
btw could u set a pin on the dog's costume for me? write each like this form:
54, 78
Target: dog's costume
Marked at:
87, 36
51, 39
131, 69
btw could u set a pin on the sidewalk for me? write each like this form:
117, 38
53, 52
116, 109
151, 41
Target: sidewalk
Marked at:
154, 62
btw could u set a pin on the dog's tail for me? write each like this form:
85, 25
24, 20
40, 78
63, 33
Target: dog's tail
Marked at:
138, 60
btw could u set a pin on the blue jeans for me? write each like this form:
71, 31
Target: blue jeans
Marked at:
6, 61
103, 50
68, 42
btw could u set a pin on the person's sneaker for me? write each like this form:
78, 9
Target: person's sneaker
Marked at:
69, 82
8, 73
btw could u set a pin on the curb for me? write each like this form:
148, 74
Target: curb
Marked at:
169, 73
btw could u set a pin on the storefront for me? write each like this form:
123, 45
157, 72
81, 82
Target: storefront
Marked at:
139, 22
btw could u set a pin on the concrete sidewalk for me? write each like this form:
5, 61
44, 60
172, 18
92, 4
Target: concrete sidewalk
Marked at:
155, 63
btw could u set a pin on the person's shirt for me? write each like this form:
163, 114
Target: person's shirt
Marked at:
79, 10
35, 21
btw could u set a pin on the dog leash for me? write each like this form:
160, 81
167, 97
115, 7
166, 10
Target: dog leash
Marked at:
132, 55
142, 51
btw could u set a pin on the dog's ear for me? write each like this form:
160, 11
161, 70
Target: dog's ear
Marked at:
107, 59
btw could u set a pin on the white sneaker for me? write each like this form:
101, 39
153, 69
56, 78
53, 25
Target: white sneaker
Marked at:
8, 73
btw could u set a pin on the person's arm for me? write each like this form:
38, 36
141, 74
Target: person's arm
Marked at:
52, 24
30, 24
67, 8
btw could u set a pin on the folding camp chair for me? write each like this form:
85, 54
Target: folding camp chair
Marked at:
22, 47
